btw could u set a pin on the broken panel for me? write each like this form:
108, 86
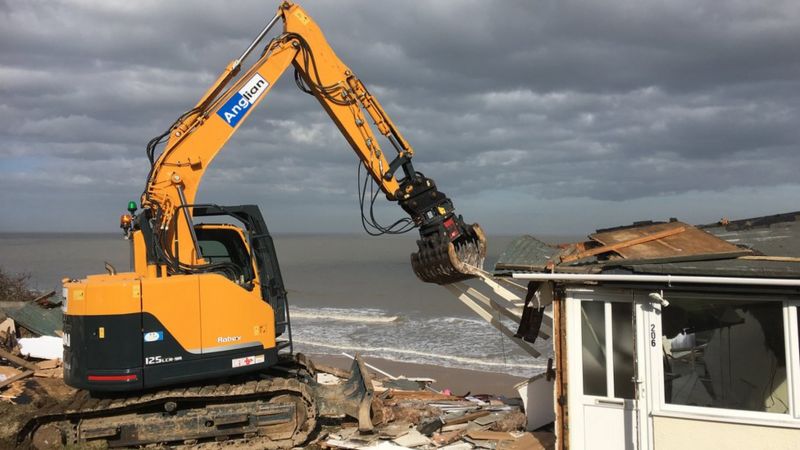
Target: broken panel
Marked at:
723, 353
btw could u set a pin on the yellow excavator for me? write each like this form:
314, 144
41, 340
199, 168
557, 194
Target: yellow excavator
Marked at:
178, 349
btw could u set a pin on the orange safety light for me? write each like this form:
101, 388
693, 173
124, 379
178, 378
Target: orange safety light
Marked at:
125, 221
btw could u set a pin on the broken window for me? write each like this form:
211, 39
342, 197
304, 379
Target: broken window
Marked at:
725, 354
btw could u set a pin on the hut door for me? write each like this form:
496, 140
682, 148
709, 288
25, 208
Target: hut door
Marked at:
601, 366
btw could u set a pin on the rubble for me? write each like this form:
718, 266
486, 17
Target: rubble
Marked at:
427, 419
46, 350
8, 326
407, 413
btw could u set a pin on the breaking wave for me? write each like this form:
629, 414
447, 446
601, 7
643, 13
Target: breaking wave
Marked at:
381, 351
414, 337
344, 315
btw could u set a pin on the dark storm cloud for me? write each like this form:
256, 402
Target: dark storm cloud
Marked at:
515, 105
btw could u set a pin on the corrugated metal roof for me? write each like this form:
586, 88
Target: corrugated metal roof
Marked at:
40, 320
775, 235
526, 253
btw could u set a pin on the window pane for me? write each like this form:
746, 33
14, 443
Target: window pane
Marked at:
725, 354
593, 337
622, 338
214, 251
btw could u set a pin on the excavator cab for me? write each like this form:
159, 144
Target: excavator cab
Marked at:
247, 254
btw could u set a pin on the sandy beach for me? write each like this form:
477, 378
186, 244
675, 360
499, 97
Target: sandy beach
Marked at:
460, 381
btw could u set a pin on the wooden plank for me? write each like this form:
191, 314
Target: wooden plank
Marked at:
43, 297
490, 435
621, 245
17, 377
17, 360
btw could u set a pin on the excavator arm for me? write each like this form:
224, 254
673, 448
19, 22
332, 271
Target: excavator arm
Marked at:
448, 249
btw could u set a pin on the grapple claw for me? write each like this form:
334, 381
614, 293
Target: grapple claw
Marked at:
443, 260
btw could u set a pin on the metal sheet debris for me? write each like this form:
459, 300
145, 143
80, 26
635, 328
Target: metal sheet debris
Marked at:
525, 253
412, 439
40, 320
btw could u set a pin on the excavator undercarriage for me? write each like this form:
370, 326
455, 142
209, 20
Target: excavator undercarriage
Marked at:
259, 410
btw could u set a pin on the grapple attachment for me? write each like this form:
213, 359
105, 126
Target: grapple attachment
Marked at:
450, 252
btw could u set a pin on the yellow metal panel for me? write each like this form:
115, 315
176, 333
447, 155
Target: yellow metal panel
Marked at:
175, 302
232, 315
111, 295
139, 253
76, 298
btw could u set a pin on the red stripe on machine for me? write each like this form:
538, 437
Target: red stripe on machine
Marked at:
131, 377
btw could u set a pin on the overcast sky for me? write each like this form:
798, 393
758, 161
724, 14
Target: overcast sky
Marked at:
552, 117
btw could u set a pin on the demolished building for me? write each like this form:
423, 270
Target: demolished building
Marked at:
665, 335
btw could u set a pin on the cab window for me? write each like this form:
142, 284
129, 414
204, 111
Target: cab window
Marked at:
225, 249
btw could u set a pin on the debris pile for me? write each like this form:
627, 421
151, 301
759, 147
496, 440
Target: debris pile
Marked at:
44, 353
409, 414
30, 344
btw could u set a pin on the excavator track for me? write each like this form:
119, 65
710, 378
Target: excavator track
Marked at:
269, 413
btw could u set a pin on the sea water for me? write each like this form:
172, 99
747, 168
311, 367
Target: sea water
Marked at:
347, 293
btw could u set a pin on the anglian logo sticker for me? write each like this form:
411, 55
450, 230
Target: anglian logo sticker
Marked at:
236, 107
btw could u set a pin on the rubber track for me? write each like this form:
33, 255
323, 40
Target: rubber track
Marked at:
84, 406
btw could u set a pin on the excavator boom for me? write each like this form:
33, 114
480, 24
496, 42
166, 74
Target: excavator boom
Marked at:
448, 248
